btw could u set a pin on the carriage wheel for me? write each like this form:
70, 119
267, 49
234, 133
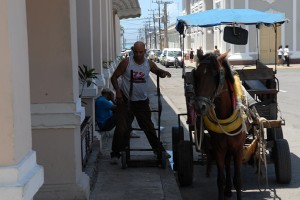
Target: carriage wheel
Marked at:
274, 133
124, 159
282, 158
177, 136
185, 163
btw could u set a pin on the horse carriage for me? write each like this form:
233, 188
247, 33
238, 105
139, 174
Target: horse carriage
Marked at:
231, 114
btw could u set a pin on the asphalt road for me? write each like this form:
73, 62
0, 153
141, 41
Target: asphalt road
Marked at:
289, 105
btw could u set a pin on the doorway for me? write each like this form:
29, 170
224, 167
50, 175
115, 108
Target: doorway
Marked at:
268, 51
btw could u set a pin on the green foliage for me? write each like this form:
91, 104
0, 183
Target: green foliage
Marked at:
86, 76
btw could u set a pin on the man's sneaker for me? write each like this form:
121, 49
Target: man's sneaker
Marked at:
134, 135
114, 160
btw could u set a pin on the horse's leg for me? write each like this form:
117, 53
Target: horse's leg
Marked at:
228, 192
220, 162
209, 163
209, 154
237, 181
221, 175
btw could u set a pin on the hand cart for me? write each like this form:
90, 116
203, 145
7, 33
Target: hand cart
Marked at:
126, 158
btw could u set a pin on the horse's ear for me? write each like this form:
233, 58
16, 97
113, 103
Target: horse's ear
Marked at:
224, 55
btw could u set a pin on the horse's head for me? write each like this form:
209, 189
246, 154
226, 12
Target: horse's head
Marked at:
209, 80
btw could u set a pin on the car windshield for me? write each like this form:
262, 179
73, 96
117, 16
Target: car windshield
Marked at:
175, 53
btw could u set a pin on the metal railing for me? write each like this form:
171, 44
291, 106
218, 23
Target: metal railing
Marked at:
86, 132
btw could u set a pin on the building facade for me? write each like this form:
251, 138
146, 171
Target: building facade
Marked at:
261, 42
42, 44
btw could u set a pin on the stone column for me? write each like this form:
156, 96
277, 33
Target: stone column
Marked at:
118, 35
111, 33
105, 30
99, 27
106, 39
20, 176
55, 104
84, 32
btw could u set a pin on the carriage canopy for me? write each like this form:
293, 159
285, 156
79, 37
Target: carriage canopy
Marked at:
217, 17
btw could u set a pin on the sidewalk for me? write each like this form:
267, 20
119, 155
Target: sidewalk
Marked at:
138, 183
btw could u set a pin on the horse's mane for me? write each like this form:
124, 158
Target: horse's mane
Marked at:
229, 72
225, 63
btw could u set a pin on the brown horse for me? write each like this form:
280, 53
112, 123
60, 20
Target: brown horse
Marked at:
214, 94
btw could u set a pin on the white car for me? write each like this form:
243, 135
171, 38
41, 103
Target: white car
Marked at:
168, 56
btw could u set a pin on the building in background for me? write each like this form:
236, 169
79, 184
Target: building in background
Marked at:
263, 46
42, 44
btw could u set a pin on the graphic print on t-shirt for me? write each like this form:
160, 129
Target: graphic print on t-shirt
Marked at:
138, 77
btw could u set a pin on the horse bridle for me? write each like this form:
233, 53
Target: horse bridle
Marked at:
209, 100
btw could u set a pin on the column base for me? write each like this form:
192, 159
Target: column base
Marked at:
71, 191
21, 181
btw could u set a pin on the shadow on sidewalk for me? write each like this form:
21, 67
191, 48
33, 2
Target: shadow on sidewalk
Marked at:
115, 183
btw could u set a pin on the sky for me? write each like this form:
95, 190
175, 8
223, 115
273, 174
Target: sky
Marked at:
134, 25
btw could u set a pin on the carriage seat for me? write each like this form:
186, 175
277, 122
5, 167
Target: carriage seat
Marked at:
257, 87
253, 80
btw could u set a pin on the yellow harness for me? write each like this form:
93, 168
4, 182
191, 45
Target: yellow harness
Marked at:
234, 122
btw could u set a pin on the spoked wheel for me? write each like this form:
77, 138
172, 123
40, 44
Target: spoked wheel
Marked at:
282, 160
177, 136
124, 159
185, 163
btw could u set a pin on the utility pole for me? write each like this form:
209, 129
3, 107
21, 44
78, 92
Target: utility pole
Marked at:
147, 29
159, 19
159, 28
165, 26
149, 33
154, 30
146, 38
159, 22
141, 37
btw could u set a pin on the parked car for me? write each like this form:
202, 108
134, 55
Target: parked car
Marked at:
157, 56
178, 60
151, 53
168, 57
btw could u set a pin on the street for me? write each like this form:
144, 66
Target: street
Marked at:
206, 188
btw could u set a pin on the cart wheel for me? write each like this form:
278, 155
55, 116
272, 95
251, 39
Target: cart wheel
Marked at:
274, 133
177, 135
282, 158
124, 159
185, 163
